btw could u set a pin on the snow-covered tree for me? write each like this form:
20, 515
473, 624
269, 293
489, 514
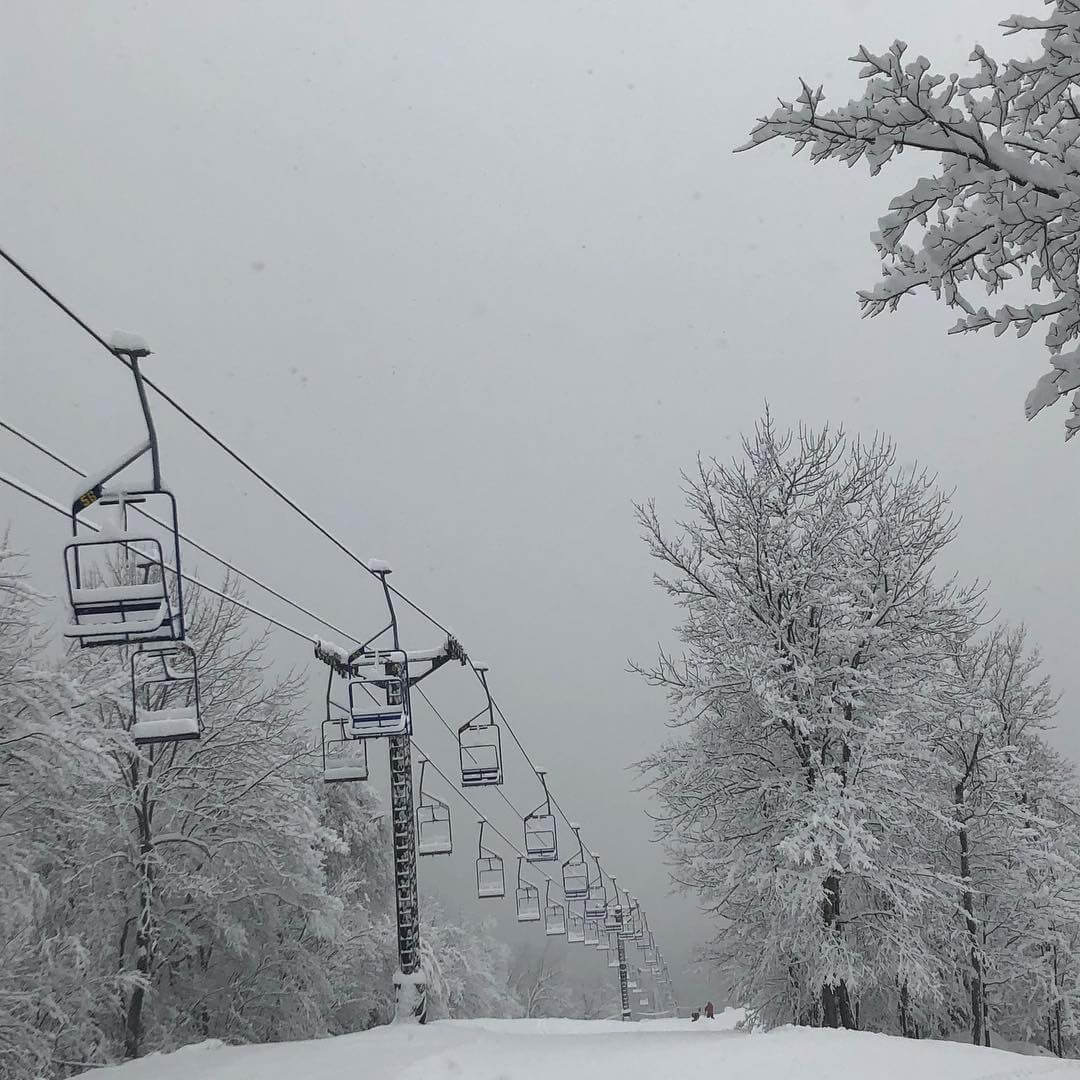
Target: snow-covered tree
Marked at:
212, 875
48, 985
989, 761
860, 790
805, 581
541, 984
156, 895
360, 961
1000, 212
469, 966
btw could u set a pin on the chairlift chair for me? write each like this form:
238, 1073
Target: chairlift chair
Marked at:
575, 871
490, 876
613, 957
541, 839
613, 918
433, 832
603, 942
164, 698
527, 898
378, 706
554, 915
575, 927
480, 744
596, 896
344, 758
132, 612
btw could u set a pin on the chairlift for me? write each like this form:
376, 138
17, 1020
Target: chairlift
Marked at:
378, 706
596, 896
575, 871
613, 958
528, 899
591, 932
433, 833
631, 927
480, 744
164, 698
554, 915
344, 758
575, 927
541, 841
490, 876
134, 611
613, 917
603, 941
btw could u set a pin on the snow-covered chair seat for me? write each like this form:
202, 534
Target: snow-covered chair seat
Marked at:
337, 773
165, 725
120, 614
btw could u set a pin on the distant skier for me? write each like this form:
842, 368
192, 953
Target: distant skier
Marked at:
709, 1011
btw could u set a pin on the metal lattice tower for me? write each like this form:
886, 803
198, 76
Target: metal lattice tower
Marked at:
405, 885
624, 978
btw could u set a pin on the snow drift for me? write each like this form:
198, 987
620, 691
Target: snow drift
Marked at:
592, 1050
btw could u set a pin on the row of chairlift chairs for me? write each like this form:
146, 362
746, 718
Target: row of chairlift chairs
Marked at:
359, 714
376, 706
119, 595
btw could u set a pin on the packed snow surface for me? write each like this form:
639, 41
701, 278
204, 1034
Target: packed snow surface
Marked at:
592, 1050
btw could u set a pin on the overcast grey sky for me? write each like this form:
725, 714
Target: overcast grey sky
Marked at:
467, 279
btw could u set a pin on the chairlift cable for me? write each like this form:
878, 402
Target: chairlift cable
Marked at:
291, 503
42, 448
219, 442
263, 480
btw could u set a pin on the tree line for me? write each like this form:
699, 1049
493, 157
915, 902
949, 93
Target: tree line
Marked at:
860, 785
156, 896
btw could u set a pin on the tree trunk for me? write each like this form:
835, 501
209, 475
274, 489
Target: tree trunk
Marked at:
967, 902
144, 939
835, 1000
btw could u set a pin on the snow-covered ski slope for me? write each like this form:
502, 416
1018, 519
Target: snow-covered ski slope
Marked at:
592, 1050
